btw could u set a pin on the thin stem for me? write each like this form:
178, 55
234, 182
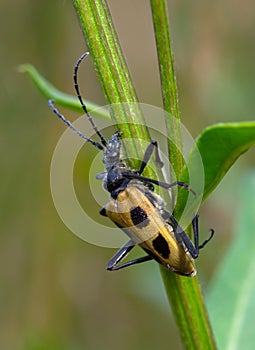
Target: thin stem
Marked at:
111, 68
168, 83
184, 294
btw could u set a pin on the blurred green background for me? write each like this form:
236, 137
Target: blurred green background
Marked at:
55, 292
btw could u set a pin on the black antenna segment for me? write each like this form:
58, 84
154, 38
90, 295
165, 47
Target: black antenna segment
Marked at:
76, 86
70, 125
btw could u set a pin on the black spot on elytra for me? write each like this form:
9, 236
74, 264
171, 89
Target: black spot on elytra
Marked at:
139, 217
161, 246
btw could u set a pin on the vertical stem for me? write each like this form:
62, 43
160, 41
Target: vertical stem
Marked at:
184, 294
168, 82
111, 68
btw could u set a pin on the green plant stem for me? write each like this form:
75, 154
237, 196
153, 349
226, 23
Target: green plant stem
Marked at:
183, 294
168, 83
113, 75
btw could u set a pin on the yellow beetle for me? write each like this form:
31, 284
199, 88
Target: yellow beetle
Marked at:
136, 208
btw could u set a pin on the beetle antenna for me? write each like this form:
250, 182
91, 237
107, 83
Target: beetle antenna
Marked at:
76, 86
70, 125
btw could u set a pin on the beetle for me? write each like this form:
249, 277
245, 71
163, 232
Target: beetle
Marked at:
135, 208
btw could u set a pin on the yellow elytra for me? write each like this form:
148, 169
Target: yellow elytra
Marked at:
152, 233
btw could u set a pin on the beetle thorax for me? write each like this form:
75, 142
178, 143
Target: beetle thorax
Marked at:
115, 182
112, 151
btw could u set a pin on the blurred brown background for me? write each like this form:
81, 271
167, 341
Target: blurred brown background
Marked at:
54, 290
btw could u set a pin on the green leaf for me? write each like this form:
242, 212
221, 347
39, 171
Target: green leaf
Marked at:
65, 100
219, 146
231, 300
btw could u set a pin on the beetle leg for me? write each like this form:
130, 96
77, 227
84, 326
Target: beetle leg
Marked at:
196, 236
148, 153
137, 175
195, 231
121, 254
182, 237
130, 175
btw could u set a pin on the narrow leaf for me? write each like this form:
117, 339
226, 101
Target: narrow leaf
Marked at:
50, 92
